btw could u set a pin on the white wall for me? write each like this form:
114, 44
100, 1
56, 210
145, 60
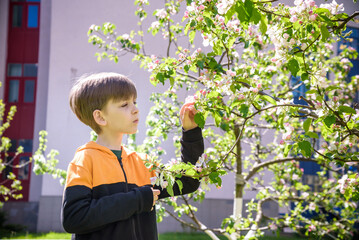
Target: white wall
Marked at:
4, 18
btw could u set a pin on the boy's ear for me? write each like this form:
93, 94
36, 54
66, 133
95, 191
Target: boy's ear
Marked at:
98, 117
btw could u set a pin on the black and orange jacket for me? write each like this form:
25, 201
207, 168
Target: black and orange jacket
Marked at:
110, 198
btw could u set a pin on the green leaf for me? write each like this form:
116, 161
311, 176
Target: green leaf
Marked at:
180, 185
286, 150
160, 77
329, 120
248, 7
214, 176
304, 76
293, 66
200, 64
209, 22
224, 126
230, 13
256, 16
191, 36
244, 110
269, 99
169, 189
347, 109
263, 25
312, 135
241, 12
331, 88
325, 32
199, 119
306, 124
305, 148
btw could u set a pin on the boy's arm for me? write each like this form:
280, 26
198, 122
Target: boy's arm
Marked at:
192, 148
81, 213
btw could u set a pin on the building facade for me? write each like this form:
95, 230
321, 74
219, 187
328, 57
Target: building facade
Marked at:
43, 49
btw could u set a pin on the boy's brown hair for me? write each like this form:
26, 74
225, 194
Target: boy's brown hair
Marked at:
93, 92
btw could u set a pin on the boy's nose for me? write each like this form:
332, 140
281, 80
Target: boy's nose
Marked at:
135, 110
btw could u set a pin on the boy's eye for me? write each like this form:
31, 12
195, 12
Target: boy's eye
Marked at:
124, 105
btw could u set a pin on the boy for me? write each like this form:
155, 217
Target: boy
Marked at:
108, 193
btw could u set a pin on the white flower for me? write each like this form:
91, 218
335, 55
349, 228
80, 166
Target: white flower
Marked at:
311, 206
164, 184
155, 24
295, 177
298, 2
126, 36
224, 5
333, 7
161, 13
207, 40
305, 195
273, 227
153, 180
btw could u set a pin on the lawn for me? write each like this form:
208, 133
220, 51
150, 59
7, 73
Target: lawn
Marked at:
165, 236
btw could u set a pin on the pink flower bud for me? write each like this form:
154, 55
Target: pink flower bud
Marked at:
240, 97
293, 19
313, 17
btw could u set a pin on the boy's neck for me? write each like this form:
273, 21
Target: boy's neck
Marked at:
112, 142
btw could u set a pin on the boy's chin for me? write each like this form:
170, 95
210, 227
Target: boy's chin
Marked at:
132, 132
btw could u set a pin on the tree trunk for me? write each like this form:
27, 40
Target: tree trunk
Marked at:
239, 180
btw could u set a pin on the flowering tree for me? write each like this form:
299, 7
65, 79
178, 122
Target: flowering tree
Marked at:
10, 185
253, 58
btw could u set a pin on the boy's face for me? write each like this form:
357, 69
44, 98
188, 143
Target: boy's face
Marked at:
122, 116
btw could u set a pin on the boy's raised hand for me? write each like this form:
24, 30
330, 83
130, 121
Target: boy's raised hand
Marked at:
155, 193
187, 113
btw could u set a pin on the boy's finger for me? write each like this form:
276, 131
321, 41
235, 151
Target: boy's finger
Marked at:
185, 106
156, 192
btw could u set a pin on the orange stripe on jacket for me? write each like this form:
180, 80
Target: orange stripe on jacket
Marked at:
95, 165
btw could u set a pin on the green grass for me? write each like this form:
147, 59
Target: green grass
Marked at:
165, 236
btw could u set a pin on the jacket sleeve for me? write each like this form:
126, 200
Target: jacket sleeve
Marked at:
81, 213
192, 148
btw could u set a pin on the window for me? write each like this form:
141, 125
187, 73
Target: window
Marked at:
30, 70
300, 90
33, 16
17, 16
8, 169
13, 91
29, 91
23, 173
14, 70
354, 43
26, 144
13, 146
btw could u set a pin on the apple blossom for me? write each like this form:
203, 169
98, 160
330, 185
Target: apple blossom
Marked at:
313, 17
293, 19
333, 7
155, 24
311, 228
161, 13
312, 206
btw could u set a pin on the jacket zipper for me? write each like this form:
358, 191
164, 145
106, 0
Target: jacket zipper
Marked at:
126, 188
